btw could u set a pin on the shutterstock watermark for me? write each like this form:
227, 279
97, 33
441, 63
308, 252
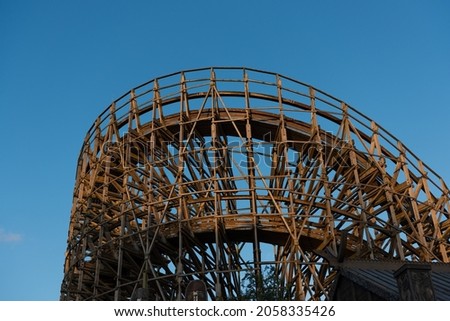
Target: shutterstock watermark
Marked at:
200, 152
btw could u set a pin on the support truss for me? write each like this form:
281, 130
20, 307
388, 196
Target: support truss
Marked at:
215, 173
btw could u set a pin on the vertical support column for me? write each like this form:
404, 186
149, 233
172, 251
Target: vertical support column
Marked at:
182, 215
217, 203
252, 186
120, 255
157, 106
133, 116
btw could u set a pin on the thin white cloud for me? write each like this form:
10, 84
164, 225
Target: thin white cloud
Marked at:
9, 237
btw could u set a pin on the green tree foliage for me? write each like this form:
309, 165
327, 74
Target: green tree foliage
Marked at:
265, 287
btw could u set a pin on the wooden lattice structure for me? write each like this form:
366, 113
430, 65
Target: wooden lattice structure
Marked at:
214, 173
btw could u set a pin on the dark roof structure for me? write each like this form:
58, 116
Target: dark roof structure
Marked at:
381, 280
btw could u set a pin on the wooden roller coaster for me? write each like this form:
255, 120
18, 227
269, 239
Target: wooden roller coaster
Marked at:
211, 174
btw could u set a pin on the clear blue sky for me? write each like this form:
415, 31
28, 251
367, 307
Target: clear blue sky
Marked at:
62, 62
